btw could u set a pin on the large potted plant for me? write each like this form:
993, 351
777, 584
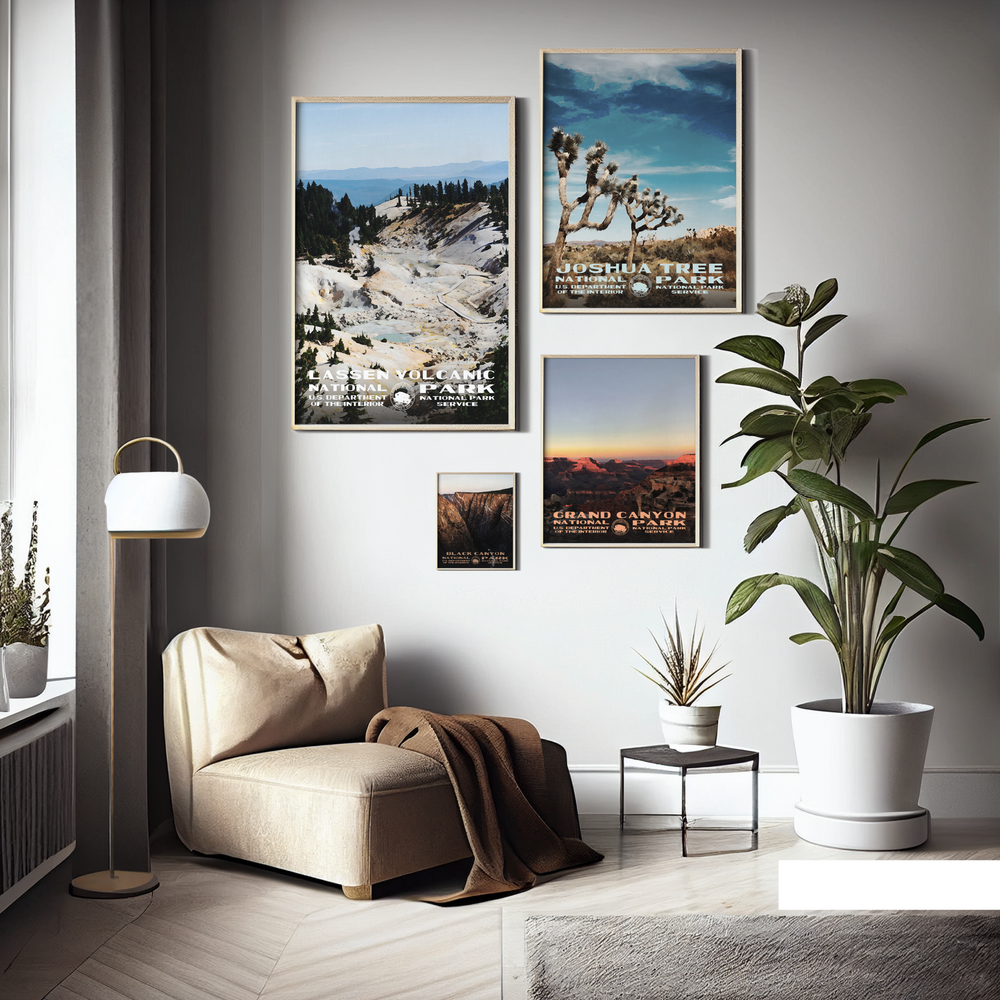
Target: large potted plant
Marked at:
24, 618
860, 761
684, 677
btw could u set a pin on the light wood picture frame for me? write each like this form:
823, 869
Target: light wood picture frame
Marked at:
642, 181
403, 263
620, 447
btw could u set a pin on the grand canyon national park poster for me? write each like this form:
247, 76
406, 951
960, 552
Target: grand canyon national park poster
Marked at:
620, 451
641, 180
403, 263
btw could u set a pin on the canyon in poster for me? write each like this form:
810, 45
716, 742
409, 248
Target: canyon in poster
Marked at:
620, 451
475, 521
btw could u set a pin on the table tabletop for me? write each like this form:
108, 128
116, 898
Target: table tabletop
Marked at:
709, 757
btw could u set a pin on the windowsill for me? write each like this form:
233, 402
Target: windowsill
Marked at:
56, 693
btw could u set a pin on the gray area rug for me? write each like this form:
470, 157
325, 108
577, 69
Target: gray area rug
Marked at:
884, 956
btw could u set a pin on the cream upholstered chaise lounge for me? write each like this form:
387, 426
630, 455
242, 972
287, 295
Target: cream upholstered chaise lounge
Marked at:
267, 760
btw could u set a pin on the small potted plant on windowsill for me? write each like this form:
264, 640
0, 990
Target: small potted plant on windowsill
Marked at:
24, 618
684, 678
860, 761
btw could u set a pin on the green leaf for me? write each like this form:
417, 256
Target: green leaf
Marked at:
909, 568
813, 486
825, 291
768, 421
809, 443
783, 383
777, 310
763, 457
801, 638
889, 632
954, 607
871, 401
845, 427
746, 594
763, 525
912, 495
891, 606
819, 605
823, 387
876, 387
944, 428
845, 401
764, 350
820, 327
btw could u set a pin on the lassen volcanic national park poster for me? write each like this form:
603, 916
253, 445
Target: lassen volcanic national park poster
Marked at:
404, 238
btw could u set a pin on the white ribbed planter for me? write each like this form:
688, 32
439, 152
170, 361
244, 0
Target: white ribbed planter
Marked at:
27, 669
859, 775
689, 727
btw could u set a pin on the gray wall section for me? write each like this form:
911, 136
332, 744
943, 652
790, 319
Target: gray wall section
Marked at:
214, 211
871, 154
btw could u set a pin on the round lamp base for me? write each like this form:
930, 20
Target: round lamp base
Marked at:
104, 885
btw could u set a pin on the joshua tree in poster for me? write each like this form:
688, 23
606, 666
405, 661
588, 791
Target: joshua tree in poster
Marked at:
647, 212
600, 183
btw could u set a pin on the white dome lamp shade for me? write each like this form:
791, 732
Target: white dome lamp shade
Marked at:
140, 505
155, 504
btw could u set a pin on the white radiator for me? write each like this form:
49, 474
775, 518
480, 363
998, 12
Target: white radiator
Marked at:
36, 793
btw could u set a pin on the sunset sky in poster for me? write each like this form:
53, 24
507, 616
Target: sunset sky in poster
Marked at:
601, 408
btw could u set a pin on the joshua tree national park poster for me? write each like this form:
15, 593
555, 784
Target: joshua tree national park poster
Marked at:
641, 180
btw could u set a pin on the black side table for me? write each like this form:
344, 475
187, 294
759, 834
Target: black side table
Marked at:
683, 761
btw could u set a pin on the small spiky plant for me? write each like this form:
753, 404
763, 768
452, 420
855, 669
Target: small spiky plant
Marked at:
685, 676
23, 618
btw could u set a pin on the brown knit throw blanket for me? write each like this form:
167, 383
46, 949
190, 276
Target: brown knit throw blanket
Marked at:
498, 772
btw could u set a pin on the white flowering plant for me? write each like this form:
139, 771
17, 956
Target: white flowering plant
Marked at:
804, 439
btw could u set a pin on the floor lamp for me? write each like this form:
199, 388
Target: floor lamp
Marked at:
140, 505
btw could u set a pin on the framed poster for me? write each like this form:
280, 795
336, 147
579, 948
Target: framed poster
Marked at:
403, 263
476, 520
620, 451
642, 180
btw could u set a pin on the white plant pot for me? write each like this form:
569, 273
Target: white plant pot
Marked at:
689, 727
27, 669
859, 775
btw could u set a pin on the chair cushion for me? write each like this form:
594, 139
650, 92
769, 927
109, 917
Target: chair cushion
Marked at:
350, 813
351, 769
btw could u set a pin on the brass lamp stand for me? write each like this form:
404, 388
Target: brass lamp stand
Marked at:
140, 505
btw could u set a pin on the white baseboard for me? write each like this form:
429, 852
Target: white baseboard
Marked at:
948, 793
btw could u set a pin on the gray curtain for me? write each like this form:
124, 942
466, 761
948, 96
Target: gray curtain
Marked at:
121, 392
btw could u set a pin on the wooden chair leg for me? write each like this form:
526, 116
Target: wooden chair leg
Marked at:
357, 891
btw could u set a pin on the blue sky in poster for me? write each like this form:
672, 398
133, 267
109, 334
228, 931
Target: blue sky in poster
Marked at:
620, 407
668, 117
331, 135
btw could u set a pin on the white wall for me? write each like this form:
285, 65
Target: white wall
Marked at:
871, 155
43, 183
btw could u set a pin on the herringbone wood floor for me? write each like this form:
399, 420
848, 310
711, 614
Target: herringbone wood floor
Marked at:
223, 930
